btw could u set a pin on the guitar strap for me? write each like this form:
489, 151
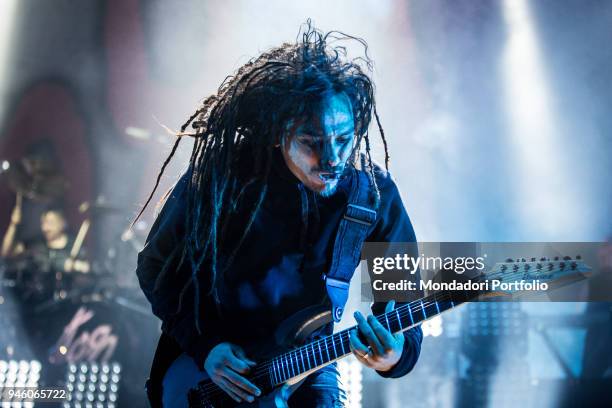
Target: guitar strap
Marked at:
353, 230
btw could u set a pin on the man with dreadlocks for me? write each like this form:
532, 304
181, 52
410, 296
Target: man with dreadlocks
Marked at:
247, 234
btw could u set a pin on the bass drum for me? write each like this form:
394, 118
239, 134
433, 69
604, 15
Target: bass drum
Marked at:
100, 332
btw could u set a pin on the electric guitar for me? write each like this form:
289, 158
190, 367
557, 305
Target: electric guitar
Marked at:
291, 360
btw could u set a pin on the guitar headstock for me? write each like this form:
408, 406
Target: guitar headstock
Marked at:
555, 271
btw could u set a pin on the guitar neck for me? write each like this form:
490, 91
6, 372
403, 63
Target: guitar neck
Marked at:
318, 353
321, 352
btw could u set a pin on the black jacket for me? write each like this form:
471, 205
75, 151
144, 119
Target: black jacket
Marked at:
278, 270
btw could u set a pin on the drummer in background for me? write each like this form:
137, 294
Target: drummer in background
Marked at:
56, 245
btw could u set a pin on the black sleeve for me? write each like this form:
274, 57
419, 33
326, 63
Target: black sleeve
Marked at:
393, 225
168, 287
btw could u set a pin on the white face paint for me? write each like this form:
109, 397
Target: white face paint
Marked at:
316, 151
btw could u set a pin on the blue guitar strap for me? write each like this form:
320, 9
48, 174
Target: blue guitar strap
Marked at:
353, 230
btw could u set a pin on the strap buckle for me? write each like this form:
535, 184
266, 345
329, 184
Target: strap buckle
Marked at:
360, 215
338, 293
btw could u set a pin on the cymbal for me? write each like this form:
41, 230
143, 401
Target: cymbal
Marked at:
35, 182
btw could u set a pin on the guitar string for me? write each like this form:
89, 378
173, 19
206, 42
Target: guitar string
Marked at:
415, 306
210, 389
405, 310
263, 370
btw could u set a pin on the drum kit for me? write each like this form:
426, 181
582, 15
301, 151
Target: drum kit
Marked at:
38, 274
71, 316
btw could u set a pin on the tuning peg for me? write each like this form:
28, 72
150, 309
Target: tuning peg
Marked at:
556, 258
567, 258
523, 260
550, 266
539, 266
573, 265
562, 265
533, 259
543, 259
515, 267
504, 267
509, 260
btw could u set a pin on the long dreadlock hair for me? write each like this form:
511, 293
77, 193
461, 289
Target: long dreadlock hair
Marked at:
253, 108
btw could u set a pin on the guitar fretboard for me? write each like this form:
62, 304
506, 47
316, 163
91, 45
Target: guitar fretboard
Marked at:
327, 349
320, 352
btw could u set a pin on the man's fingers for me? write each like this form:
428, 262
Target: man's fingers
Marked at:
226, 386
360, 350
384, 335
356, 343
242, 394
237, 364
389, 308
371, 338
241, 382
238, 351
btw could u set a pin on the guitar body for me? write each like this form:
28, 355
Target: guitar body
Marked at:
283, 361
183, 376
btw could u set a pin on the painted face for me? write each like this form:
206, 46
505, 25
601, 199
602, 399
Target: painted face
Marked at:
316, 151
52, 224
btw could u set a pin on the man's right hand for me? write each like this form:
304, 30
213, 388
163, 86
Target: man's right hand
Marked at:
224, 364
